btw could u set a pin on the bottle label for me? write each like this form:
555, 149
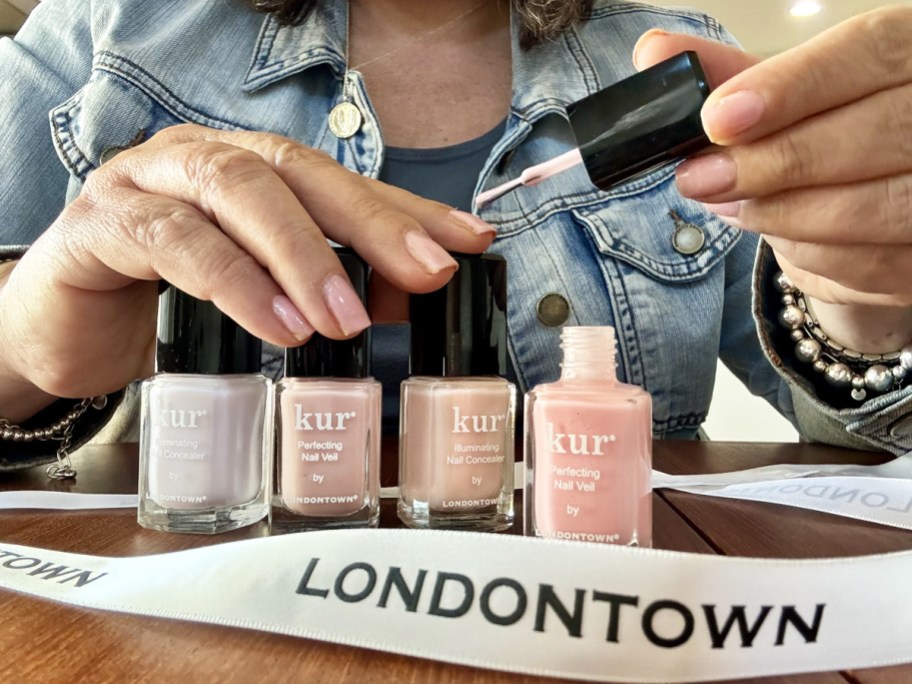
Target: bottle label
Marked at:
324, 466
205, 445
591, 471
469, 458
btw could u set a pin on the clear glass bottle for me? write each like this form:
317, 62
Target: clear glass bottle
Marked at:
589, 449
456, 441
327, 455
203, 433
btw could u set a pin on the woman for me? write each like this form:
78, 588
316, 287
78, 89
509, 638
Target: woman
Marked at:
236, 207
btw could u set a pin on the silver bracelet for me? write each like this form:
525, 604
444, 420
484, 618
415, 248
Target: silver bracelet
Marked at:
840, 367
60, 431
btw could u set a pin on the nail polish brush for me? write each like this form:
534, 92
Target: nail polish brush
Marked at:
632, 127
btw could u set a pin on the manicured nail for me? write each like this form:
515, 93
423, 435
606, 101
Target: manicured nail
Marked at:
706, 175
345, 305
473, 223
733, 114
645, 38
725, 210
291, 318
432, 257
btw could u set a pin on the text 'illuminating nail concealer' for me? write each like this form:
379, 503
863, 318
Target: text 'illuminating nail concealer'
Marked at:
204, 441
457, 411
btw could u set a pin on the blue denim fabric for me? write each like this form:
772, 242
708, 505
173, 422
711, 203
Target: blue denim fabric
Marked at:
112, 73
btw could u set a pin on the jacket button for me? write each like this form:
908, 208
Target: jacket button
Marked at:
688, 239
110, 152
902, 428
553, 310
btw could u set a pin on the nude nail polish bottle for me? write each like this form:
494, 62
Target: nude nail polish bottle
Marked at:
327, 456
204, 437
589, 449
457, 412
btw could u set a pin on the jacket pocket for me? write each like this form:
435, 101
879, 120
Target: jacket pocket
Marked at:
121, 106
648, 225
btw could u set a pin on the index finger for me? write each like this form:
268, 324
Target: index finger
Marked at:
853, 60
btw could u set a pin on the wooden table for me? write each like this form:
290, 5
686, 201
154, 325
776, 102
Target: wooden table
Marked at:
45, 642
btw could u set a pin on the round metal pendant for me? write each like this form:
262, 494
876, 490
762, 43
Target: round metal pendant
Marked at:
345, 120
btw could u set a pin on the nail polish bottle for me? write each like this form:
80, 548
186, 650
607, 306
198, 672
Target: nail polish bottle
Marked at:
204, 442
327, 457
457, 412
589, 449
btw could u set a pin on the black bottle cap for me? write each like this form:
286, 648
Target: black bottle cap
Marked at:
322, 357
642, 122
195, 337
461, 329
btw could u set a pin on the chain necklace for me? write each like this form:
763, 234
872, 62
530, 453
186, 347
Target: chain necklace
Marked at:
345, 118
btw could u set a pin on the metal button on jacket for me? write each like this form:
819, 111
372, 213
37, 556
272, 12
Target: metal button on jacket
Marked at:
688, 238
110, 152
553, 310
902, 428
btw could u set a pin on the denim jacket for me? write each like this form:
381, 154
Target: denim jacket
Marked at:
108, 74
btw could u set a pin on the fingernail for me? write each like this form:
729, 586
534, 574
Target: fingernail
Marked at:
645, 38
291, 318
728, 212
733, 114
706, 175
345, 305
473, 223
726, 209
432, 257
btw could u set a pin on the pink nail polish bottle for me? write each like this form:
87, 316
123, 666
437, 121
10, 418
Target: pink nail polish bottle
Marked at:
327, 456
204, 438
589, 449
457, 412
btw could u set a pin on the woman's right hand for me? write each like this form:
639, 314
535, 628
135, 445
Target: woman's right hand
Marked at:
238, 218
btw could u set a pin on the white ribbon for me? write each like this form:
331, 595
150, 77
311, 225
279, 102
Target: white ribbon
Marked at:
544, 607
880, 494
65, 501
564, 609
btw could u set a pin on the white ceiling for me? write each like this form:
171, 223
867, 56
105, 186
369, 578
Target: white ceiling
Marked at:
763, 26
10, 17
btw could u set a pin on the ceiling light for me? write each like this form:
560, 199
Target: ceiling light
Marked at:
805, 8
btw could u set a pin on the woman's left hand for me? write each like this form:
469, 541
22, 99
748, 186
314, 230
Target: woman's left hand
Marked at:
814, 151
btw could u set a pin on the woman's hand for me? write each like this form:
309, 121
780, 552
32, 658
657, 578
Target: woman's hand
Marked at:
815, 152
241, 219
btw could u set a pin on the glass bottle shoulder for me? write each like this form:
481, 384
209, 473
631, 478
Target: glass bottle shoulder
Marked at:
201, 381
591, 390
367, 386
426, 382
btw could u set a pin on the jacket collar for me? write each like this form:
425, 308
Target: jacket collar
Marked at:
550, 76
283, 51
546, 78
